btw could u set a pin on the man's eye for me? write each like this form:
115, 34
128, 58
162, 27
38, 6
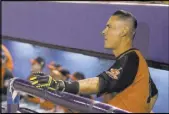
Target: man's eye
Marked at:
108, 26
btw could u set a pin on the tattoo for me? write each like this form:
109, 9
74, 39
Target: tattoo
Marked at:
89, 86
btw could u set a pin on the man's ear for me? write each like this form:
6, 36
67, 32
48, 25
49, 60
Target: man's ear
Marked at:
124, 32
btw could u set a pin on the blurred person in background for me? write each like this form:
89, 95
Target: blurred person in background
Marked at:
38, 65
54, 71
65, 74
77, 76
6, 70
58, 73
53, 66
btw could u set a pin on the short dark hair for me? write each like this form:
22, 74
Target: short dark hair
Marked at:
65, 72
57, 65
40, 61
79, 75
126, 15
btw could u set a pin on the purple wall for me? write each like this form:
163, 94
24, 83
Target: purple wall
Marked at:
80, 25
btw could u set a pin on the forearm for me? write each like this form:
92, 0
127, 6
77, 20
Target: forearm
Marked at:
86, 86
89, 86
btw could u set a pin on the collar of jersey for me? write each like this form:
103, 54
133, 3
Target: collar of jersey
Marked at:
124, 53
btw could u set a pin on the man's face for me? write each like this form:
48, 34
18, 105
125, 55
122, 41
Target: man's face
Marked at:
112, 32
36, 67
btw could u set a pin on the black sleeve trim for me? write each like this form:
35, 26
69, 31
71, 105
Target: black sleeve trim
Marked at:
129, 65
129, 72
104, 83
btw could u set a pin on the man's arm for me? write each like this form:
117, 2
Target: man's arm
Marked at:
86, 86
89, 86
116, 79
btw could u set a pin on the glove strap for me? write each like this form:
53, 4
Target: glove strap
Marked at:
57, 85
61, 85
53, 85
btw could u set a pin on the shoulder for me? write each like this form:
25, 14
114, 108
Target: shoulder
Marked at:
129, 56
128, 59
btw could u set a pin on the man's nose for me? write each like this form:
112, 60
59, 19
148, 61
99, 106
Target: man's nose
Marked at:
103, 32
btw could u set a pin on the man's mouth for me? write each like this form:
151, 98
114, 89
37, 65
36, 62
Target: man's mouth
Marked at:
105, 38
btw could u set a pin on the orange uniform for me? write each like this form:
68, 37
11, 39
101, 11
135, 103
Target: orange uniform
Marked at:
8, 64
130, 82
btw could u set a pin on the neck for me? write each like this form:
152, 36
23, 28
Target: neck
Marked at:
121, 50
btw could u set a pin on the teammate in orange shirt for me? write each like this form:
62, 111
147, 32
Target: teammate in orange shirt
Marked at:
55, 73
38, 65
8, 63
6, 70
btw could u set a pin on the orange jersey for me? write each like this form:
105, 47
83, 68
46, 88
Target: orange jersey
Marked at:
129, 80
47, 105
134, 97
9, 64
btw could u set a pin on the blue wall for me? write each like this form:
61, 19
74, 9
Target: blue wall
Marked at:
90, 66
22, 53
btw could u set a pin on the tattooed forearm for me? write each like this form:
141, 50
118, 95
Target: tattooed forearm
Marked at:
89, 86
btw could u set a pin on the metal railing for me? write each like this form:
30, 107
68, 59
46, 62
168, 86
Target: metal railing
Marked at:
67, 100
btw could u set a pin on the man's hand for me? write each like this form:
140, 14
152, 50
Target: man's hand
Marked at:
41, 80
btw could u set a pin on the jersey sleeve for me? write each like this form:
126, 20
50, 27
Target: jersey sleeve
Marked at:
120, 75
